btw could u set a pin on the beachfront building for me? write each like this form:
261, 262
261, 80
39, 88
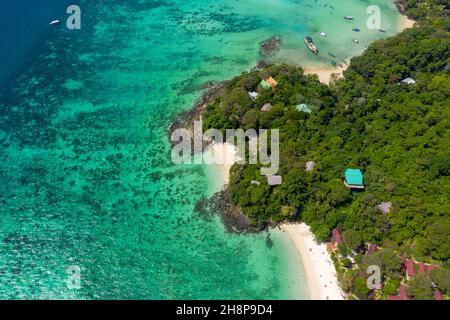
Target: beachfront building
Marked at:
438, 296
267, 107
304, 108
274, 180
354, 179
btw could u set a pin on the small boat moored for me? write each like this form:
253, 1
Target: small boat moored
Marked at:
323, 34
310, 44
356, 29
348, 18
355, 41
382, 30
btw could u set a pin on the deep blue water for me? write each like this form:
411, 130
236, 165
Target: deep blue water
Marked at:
22, 25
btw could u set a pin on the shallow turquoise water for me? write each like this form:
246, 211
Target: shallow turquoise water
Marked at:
87, 178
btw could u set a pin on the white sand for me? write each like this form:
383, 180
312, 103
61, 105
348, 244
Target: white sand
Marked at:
406, 23
319, 269
222, 155
325, 73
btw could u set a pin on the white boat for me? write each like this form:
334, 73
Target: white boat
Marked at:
355, 41
323, 34
310, 44
54, 22
348, 18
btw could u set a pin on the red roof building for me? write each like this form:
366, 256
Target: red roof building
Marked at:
372, 249
422, 268
410, 271
402, 295
337, 236
438, 295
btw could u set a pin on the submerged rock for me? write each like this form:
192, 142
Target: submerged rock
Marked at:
270, 47
232, 218
186, 119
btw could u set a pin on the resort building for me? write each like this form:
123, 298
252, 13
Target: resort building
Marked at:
274, 180
304, 108
310, 165
269, 83
265, 85
402, 294
409, 81
337, 236
384, 207
267, 107
372, 249
412, 268
354, 179
438, 295
409, 268
272, 82
253, 95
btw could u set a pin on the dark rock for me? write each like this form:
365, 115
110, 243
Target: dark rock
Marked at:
186, 119
270, 47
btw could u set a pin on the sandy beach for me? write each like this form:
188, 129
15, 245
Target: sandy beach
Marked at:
406, 23
319, 270
325, 73
222, 155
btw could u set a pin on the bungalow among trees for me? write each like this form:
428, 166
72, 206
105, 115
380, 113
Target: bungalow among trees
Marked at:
384, 207
337, 236
310, 165
409, 81
354, 179
411, 113
272, 82
253, 95
304, 108
267, 107
265, 85
402, 294
268, 83
274, 180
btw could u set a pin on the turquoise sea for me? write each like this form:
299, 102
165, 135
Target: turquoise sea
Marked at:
86, 177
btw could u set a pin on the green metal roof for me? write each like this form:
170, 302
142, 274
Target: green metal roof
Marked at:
354, 177
265, 85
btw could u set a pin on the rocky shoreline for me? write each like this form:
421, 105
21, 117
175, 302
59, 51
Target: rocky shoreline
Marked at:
186, 119
232, 217
400, 6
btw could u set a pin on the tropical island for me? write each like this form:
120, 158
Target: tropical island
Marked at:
365, 160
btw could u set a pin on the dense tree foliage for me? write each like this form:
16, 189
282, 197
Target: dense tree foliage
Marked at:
396, 133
